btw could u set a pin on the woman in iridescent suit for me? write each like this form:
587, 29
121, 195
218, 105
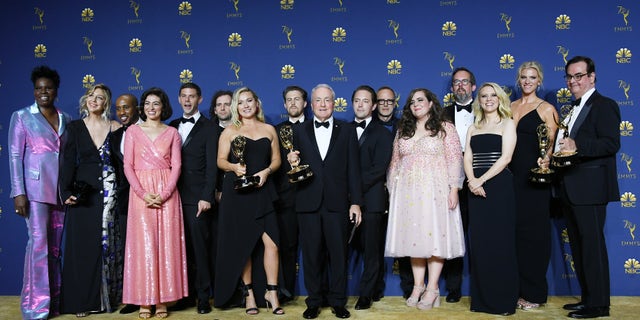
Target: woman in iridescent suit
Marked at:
34, 145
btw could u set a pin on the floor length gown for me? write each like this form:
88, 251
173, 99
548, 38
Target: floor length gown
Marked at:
420, 221
533, 223
155, 266
90, 278
244, 216
493, 266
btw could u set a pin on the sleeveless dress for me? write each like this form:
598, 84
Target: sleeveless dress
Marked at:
533, 223
492, 256
244, 216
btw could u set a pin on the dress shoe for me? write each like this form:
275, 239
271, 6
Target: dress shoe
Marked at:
588, 313
363, 303
182, 304
341, 312
129, 308
204, 307
454, 296
311, 313
573, 306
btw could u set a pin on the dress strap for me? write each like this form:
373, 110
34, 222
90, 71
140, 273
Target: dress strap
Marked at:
539, 104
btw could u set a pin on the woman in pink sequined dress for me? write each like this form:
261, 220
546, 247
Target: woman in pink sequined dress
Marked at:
424, 177
155, 267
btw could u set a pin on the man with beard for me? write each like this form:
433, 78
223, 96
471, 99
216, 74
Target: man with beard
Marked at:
220, 110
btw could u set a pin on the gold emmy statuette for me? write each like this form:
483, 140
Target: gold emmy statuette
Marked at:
539, 174
243, 181
563, 159
298, 172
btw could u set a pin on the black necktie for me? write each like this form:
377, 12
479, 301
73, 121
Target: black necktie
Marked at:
461, 107
185, 120
322, 124
361, 124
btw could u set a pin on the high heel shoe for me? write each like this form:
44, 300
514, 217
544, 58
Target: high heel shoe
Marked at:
273, 304
250, 310
145, 312
429, 299
412, 301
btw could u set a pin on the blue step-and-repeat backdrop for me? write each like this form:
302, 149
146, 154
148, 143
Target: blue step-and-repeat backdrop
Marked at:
270, 44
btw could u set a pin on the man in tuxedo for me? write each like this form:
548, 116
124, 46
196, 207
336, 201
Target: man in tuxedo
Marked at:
220, 109
375, 143
463, 84
197, 190
295, 103
587, 187
327, 202
385, 112
127, 114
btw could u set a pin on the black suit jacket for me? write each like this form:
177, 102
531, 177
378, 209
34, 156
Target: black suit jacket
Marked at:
376, 144
199, 155
286, 189
122, 190
336, 183
593, 180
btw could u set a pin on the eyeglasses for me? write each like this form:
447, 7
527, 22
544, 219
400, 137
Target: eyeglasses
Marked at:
386, 101
576, 77
457, 82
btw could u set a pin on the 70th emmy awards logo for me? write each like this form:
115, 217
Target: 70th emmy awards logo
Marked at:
136, 73
184, 8
186, 37
340, 64
632, 266
288, 31
507, 23
88, 80
631, 227
40, 13
236, 71
237, 13
563, 22
40, 51
338, 9
135, 6
507, 61
569, 259
89, 43
628, 200
87, 15
394, 26
449, 57
624, 12
626, 87
626, 160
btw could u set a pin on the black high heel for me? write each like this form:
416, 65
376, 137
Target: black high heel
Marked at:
254, 310
277, 310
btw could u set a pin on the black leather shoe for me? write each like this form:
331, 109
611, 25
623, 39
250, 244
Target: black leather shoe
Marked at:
377, 296
182, 304
363, 303
588, 313
573, 306
341, 312
311, 313
453, 296
129, 308
204, 307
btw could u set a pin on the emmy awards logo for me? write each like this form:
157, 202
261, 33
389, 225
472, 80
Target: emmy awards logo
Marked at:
136, 73
236, 69
540, 174
507, 21
451, 58
395, 26
89, 44
627, 159
625, 13
340, 63
631, 227
564, 52
340, 2
186, 36
135, 6
235, 4
288, 31
40, 13
298, 172
625, 87
238, 145
562, 158
569, 258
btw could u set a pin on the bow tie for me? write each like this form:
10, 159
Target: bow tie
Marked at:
294, 122
361, 124
185, 120
576, 102
322, 124
461, 107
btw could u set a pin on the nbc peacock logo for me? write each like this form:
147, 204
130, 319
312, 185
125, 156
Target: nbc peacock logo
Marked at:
339, 34
235, 40
563, 96
449, 29
623, 55
507, 61
135, 45
394, 67
40, 51
626, 128
448, 99
340, 105
186, 76
287, 72
286, 4
632, 266
87, 15
184, 8
88, 80
563, 22
628, 200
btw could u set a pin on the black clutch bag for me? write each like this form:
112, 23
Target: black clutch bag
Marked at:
81, 191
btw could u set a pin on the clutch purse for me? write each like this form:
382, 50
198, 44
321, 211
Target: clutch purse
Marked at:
81, 191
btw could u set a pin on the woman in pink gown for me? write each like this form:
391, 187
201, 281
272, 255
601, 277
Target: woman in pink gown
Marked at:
424, 177
155, 267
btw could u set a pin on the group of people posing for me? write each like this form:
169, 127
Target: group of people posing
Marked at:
145, 211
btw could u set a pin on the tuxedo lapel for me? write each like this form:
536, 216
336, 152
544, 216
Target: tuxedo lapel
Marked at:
312, 136
193, 132
364, 135
335, 133
583, 115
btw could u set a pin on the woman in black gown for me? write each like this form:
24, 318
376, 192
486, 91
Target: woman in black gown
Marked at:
533, 225
492, 257
90, 281
247, 218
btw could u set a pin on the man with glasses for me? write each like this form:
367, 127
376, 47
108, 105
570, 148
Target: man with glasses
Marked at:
385, 112
463, 84
587, 187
